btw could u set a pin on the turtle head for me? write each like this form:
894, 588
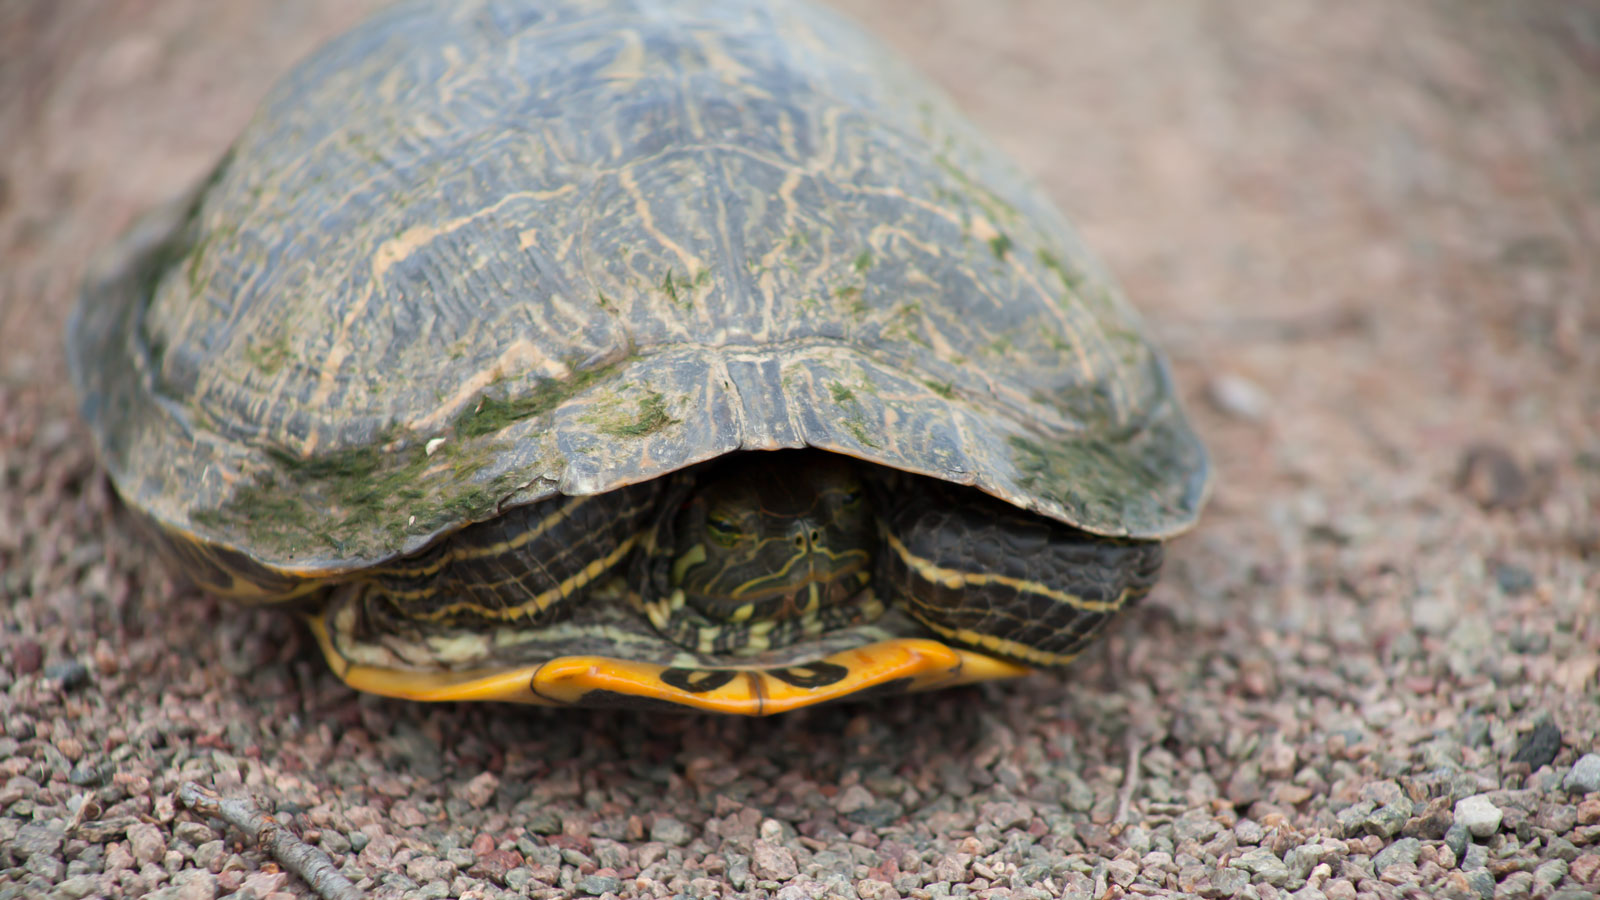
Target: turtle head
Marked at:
764, 540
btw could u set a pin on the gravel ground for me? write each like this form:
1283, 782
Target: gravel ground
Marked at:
1369, 243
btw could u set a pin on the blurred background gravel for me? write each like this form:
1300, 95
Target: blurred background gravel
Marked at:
1367, 235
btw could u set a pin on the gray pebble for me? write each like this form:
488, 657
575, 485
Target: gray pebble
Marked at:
1479, 816
519, 878
196, 833
878, 814
1264, 865
210, 854
1481, 881
1196, 825
668, 830
1476, 857
88, 775
37, 838
1386, 821
1585, 775
77, 887
610, 854
1122, 872
1404, 850
334, 842
1456, 838
1228, 882
1238, 397
1514, 580
1248, 832
47, 867
773, 861
545, 821
1562, 849
1539, 746
71, 673
146, 843
543, 854
595, 885
853, 799
1353, 818
358, 840
1079, 796
1550, 872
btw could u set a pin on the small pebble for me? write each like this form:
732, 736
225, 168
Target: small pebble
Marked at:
669, 830
1457, 838
1539, 746
1585, 775
1480, 817
1386, 821
1404, 850
27, 657
1514, 581
71, 673
480, 790
146, 843
772, 861
196, 833
1481, 881
1264, 864
1238, 397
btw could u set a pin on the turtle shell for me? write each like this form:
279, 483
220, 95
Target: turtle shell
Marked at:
473, 254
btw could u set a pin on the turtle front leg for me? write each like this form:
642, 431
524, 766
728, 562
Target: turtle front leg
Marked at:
983, 574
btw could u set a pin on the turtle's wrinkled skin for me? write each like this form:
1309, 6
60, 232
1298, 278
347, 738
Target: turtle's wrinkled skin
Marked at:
538, 265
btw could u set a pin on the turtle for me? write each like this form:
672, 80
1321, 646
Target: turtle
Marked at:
665, 354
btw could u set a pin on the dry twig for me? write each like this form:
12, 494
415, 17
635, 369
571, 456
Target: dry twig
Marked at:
296, 855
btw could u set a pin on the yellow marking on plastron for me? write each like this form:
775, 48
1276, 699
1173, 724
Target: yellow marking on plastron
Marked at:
955, 578
921, 664
543, 600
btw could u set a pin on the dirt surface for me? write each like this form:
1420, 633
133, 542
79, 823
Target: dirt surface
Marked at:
1369, 242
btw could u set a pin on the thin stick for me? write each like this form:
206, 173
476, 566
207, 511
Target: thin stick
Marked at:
296, 855
1130, 778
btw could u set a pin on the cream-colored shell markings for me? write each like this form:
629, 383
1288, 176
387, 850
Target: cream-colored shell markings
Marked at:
655, 231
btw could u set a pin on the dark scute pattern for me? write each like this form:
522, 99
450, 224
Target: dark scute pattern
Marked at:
699, 681
811, 675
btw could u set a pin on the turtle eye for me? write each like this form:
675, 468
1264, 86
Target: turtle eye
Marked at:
723, 530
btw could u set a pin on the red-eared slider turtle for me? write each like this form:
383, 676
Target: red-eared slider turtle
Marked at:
635, 352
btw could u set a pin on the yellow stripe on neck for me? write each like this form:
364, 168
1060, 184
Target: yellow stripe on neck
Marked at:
955, 578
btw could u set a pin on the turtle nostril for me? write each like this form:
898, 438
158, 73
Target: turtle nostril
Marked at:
800, 541
816, 537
